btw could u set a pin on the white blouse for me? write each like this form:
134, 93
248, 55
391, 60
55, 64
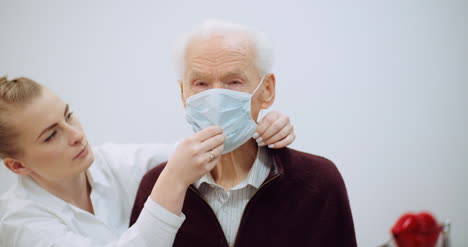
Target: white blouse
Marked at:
31, 216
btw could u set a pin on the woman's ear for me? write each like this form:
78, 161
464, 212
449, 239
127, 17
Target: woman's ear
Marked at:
269, 91
16, 166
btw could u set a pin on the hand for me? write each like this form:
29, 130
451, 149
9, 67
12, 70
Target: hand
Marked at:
196, 155
275, 130
193, 158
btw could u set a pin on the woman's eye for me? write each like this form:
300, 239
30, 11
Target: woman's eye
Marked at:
51, 136
69, 115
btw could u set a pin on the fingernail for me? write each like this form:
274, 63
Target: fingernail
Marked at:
255, 135
259, 140
271, 145
261, 144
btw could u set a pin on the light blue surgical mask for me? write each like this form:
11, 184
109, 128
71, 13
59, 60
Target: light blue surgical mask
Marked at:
226, 108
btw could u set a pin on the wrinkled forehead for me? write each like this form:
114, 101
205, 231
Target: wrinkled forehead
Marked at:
231, 53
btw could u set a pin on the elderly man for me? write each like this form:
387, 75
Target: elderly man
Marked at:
255, 196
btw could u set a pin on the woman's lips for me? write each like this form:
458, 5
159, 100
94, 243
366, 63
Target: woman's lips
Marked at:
83, 153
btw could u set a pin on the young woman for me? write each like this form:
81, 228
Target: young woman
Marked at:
70, 195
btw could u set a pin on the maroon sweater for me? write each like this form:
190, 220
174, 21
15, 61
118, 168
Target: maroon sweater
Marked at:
303, 202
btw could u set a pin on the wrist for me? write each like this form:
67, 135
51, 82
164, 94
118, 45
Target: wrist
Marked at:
169, 193
172, 181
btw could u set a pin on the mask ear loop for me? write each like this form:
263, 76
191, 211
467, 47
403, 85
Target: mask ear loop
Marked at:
262, 112
259, 84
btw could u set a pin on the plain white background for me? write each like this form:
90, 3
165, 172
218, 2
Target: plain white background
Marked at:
378, 87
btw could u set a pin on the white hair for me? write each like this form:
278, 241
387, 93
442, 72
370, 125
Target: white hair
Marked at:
261, 43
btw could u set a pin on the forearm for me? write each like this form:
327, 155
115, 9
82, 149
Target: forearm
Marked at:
156, 227
169, 192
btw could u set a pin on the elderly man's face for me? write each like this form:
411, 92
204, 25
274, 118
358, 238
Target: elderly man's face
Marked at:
225, 62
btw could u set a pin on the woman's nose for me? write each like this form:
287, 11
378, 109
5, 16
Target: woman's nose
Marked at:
76, 135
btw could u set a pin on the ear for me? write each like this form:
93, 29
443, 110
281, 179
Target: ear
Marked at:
269, 91
16, 166
182, 97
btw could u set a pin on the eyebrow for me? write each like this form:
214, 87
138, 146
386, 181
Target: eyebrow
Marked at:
55, 124
197, 74
235, 73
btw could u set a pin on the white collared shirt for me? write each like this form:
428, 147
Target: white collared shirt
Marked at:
31, 216
229, 206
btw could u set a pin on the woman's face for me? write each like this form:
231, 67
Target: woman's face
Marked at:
52, 142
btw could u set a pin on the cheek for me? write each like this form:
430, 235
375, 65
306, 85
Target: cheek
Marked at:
187, 91
239, 87
255, 108
51, 154
47, 159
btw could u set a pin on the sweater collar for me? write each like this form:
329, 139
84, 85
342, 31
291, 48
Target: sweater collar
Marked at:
261, 169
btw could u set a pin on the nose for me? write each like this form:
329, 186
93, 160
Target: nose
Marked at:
76, 135
218, 84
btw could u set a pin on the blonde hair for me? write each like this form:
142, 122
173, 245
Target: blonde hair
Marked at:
14, 94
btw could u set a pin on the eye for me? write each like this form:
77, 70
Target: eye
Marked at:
200, 84
235, 84
51, 136
69, 115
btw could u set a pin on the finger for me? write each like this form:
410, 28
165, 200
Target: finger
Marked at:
268, 120
217, 154
279, 124
283, 143
207, 133
283, 133
212, 142
218, 151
